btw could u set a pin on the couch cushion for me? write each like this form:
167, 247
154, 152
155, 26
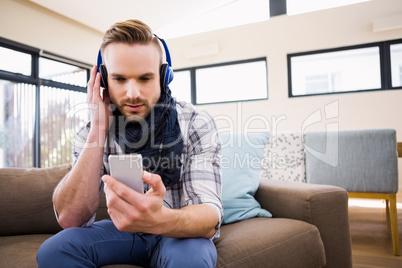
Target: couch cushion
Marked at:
270, 242
258, 242
26, 200
20, 250
241, 167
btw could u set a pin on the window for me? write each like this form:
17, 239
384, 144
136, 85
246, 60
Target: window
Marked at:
15, 61
38, 93
62, 72
317, 83
348, 69
59, 122
231, 82
17, 124
226, 82
396, 65
181, 85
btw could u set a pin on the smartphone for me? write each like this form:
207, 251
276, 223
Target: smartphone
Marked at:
127, 168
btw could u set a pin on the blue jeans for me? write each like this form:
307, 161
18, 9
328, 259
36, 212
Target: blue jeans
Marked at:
102, 244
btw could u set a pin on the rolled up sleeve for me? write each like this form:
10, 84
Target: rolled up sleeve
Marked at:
201, 173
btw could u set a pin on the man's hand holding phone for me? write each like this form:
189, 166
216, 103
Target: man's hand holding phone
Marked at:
134, 211
127, 168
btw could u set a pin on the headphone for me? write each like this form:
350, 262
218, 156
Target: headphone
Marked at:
166, 71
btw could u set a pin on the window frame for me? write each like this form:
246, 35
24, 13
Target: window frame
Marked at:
385, 67
193, 79
38, 82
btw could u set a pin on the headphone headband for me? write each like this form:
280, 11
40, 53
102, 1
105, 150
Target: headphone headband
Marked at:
99, 60
166, 50
166, 71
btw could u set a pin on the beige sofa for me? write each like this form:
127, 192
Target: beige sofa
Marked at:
310, 227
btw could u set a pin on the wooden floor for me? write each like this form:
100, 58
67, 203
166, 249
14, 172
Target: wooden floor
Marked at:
371, 244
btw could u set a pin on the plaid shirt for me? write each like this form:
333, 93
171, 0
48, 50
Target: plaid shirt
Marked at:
200, 181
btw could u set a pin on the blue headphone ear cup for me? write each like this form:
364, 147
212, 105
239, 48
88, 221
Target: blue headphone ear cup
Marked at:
103, 72
169, 75
166, 75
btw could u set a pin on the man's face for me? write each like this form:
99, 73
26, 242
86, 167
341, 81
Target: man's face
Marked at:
133, 78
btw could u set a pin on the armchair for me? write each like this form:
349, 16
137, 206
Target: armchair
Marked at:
363, 162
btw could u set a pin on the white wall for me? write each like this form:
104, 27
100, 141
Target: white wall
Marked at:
25, 22
313, 31
28, 23
282, 35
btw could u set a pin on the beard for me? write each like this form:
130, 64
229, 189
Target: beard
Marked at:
134, 111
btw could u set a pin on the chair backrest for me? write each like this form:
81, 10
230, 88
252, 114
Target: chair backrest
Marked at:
358, 161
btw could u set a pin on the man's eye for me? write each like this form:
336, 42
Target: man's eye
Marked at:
145, 78
119, 79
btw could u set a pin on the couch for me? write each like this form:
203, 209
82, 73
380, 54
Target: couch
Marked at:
309, 227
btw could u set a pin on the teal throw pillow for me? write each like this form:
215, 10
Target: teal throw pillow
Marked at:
241, 167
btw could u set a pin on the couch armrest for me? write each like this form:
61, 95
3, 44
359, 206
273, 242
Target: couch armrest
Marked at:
26, 199
324, 206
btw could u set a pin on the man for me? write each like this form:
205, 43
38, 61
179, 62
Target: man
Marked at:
174, 222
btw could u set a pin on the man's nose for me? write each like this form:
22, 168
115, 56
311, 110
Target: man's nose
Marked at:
132, 90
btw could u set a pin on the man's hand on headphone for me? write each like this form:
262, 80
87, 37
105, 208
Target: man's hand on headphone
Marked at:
99, 104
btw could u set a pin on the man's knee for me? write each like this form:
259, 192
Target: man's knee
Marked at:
202, 254
196, 252
49, 252
59, 248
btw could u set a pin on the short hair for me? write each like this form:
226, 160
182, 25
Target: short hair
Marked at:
130, 32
